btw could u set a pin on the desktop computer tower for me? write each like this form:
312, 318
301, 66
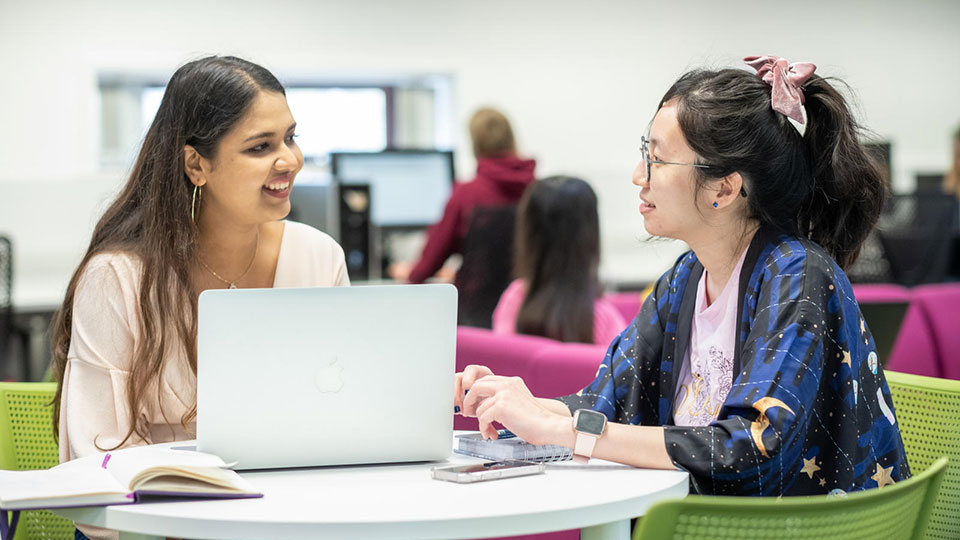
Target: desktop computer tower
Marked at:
315, 205
356, 232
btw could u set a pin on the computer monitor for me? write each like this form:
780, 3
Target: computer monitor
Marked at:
408, 188
929, 183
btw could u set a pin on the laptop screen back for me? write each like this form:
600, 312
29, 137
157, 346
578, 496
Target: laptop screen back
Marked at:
326, 376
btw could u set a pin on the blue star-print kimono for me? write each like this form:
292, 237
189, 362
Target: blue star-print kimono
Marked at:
809, 411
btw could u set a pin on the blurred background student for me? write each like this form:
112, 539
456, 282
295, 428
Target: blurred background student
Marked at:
557, 253
951, 181
501, 178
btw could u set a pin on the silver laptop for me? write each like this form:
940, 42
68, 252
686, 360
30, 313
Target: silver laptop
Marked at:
326, 376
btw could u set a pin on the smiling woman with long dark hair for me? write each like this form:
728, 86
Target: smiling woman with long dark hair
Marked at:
202, 209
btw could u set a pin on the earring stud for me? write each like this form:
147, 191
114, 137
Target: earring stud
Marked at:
714, 204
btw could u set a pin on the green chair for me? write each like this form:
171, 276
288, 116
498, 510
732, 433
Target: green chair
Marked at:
928, 411
897, 512
26, 443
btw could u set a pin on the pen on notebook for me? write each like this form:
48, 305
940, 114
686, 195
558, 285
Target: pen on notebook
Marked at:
106, 458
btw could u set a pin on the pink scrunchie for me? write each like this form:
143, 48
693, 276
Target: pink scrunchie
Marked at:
785, 79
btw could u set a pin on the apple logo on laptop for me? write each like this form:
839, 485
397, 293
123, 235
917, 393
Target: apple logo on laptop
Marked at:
328, 377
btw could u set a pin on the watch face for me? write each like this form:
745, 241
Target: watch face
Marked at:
590, 421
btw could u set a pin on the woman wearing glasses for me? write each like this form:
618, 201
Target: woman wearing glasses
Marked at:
750, 365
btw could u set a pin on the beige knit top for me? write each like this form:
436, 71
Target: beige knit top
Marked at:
93, 406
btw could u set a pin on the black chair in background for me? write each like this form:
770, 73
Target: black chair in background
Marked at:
487, 267
10, 332
872, 265
917, 233
930, 183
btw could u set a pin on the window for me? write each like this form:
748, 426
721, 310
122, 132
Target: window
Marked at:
353, 119
400, 113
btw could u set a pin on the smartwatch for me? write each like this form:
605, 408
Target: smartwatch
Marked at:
589, 425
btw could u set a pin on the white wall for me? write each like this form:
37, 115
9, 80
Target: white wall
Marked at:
580, 80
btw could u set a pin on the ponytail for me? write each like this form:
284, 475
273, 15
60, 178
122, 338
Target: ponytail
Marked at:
822, 185
847, 191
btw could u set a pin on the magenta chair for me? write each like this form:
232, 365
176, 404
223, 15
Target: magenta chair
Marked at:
550, 368
627, 303
929, 340
911, 349
565, 368
940, 305
915, 351
881, 292
510, 356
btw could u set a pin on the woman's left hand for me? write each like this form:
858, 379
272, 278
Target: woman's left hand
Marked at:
508, 400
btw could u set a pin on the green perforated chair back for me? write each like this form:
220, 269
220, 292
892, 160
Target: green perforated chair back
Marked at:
26, 443
897, 512
928, 410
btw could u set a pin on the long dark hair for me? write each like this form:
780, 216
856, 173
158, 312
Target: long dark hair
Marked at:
822, 185
557, 254
150, 220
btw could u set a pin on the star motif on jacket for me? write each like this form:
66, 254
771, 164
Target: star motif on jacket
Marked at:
882, 476
846, 359
810, 467
823, 482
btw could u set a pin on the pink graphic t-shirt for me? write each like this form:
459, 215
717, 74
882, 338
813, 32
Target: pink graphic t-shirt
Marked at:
707, 371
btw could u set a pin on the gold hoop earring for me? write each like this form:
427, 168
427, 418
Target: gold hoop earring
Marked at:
197, 198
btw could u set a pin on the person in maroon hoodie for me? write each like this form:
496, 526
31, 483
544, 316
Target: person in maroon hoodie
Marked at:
501, 179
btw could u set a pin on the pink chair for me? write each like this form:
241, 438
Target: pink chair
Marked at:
566, 368
881, 292
511, 356
885, 307
940, 305
914, 350
550, 368
627, 303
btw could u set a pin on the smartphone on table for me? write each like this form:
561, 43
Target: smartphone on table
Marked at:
490, 470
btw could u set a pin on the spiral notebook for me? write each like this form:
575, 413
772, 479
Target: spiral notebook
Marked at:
509, 447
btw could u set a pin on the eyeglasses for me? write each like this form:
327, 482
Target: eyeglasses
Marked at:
645, 155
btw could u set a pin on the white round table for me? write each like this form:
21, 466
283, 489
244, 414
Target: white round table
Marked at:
402, 501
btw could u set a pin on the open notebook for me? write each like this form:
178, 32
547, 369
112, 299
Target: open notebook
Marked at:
123, 477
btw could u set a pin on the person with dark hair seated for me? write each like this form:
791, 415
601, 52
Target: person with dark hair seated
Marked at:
951, 181
556, 256
750, 365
